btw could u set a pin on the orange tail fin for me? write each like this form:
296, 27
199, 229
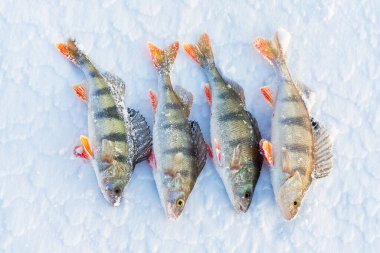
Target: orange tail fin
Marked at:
70, 51
275, 49
163, 59
201, 52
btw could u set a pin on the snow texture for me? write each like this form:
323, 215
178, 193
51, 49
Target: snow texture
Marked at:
50, 201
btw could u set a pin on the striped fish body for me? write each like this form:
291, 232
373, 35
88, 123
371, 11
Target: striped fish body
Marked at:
231, 126
179, 148
301, 148
118, 137
176, 171
292, 133
234, 132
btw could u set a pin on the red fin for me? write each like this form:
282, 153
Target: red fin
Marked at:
266, 151
267, 93
218, 151
153, 100
265, 49
152, 160
86, 145
69, 50
202, 52
80, 91
80, 152
207, 91
163, 59
209, 151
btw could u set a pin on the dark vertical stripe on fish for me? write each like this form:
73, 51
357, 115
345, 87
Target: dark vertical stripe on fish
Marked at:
299, 148
183, 150
232, 116
102, 91
109, 112
294, 121
115, 137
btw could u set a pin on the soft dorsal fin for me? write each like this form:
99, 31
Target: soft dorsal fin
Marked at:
186, 98
200, 146
238, 89
116, 85
307, 94
140, 135
323, 156
235, 86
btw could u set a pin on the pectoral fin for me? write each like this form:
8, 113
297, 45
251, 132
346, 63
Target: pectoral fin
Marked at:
108, 151
323, 155
235, 161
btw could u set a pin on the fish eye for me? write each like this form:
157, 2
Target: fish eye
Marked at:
180, 202
247, 194
117, 190
295, 203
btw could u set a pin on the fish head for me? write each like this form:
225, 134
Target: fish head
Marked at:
174, 192
113, 183
242, 188
175, 203
290, 196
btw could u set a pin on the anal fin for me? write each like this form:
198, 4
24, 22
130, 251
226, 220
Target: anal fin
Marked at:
323, 155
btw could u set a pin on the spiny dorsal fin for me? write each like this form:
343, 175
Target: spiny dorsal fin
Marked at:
140, 135
323, 156
116, 85
200, 146
186, 98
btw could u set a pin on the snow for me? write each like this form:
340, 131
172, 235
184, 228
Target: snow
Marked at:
50, 201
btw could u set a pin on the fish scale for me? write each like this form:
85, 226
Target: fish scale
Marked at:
118, 137
299, 149
234, 133
179, 149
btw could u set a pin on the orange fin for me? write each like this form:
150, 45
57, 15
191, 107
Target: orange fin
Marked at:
267, 93
202, 52
69, 50
163, 59
218, 151
80, 152
266, 151
266, 49
209, 151
86, 145
153, 100
152, 160
80, 91
207, 91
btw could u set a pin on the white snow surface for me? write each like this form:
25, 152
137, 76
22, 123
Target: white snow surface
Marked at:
50, 201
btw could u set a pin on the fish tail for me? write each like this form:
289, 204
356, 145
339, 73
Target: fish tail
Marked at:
163, 59
71, 52
274, 50
201, 52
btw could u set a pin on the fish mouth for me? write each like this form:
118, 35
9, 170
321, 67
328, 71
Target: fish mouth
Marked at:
172, 212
